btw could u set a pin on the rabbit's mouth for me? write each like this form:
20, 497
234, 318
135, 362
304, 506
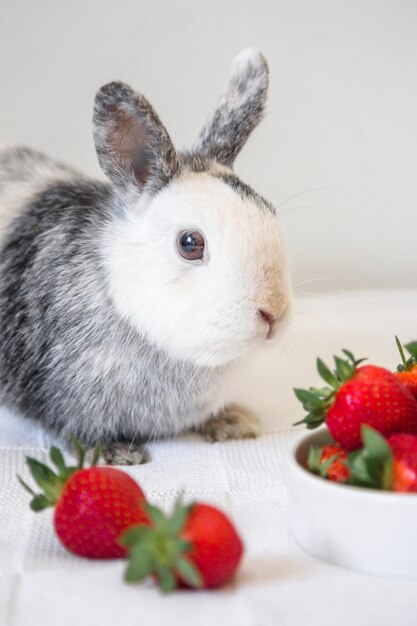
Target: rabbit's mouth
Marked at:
277, 326
270, 334
273, 323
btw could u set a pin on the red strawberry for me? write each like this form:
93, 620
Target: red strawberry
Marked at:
407, 371
409, 379
404, 450
329, 462
389, 464
93, 506
355, 396
197, 546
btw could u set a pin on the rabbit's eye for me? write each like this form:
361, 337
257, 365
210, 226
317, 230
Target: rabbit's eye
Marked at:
191, 245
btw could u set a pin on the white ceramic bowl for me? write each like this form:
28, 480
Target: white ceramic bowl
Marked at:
365, 530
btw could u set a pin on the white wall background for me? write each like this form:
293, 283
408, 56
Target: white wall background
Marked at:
341, 130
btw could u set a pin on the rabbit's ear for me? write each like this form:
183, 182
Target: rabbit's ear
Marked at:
239, 110
133, 147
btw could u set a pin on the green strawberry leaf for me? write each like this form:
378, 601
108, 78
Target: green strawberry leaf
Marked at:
52, 482
324, 392
313, 459
311, 421
140, 563
349, 355
403, 366
407, 364
371, 466
183, 545
98, 450
179, 516
312, 425
155, 515
344, 370
359, 473
57, 459
387, 475
80, 450
375, 443
133, 535
352, 455
327, 375
359, 361
68, 471
325, 465
47, 480
40, 472
412, 349
40, 502
316, 465
308, 399
26, 486
167, 579
189, 572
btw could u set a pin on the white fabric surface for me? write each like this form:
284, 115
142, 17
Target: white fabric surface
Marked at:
41, 584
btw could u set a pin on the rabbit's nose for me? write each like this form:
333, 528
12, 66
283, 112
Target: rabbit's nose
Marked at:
269, 319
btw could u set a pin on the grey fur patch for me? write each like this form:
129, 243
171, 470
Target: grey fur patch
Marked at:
239, 110
23, 173
245, 191
67, 358
199, 163
196, 162
133, 147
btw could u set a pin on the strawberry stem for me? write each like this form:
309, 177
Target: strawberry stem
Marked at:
52, 482
98, 450
316, 465
318, 401
407, 364
79, 449
401, 351
160, 550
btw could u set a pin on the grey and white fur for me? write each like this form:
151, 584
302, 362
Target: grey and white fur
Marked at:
106, 332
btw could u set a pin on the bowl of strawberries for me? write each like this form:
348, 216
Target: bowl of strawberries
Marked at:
353, 482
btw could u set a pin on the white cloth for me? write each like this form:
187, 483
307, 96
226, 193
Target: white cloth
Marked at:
43, 585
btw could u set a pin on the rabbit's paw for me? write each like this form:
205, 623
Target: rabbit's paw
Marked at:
123, 453
233, 422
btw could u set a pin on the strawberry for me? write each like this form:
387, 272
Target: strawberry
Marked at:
407, 371
93, 505
355, 396
197, 546
404, 450
329, 462
389, 464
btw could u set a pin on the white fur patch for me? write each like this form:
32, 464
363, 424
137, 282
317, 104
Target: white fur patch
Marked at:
248, 56
207, 313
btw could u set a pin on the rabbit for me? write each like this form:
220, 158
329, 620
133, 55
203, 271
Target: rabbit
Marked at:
124, 303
